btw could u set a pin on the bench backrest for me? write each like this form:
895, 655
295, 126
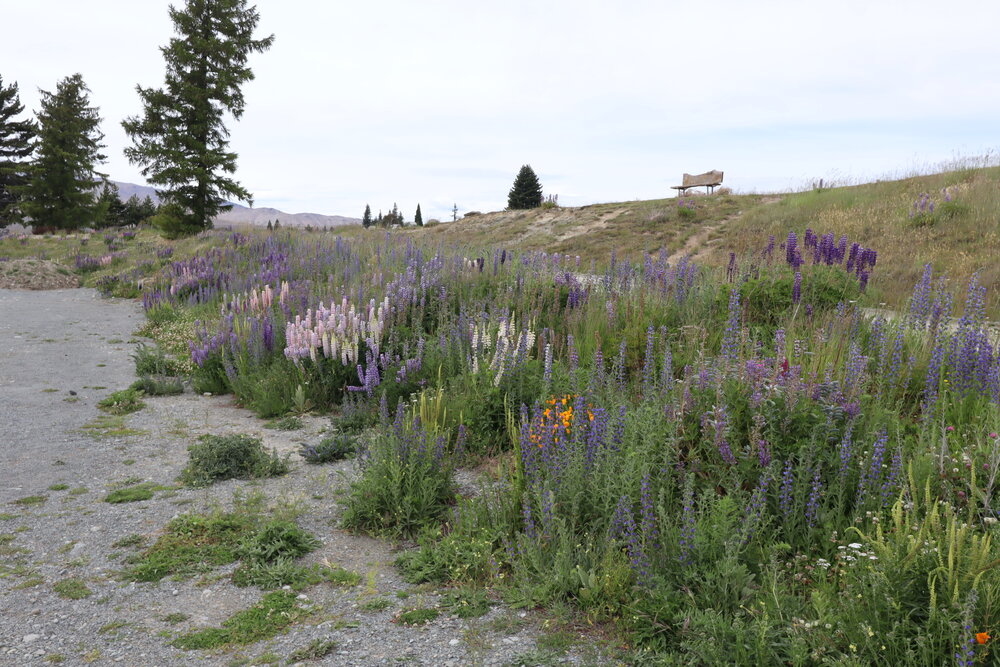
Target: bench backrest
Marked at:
708, 178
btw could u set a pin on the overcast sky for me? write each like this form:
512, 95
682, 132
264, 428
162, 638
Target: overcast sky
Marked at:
440, 102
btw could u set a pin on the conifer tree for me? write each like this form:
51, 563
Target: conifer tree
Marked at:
526, 191
16, 145
111, 210
366, 221
60, 189
418, 218
180, 140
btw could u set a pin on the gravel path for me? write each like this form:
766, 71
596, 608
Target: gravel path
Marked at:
61, 351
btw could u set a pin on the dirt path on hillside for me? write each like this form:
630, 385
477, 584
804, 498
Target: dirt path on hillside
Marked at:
698, 245
63, 351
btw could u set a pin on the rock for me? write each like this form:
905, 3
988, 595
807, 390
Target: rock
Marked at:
27, 639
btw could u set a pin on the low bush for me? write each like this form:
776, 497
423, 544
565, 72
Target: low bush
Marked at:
158, 386
331, 448
217, 457
122, 402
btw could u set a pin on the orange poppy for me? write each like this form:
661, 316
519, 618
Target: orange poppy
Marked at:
982, 637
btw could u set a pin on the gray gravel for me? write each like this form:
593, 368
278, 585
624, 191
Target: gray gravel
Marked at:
62, 352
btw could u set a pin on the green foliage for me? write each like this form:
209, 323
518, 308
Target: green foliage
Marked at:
286, 572
132, 494
122, 402
418, 217
331, 448
526, 191
317, 648
407, 484
366, 220
275, 612
191, 544
285, 424
73, 588
417, 616
31, 500
180, 140
277, 539
466, 602
158, 386
218, 457
16, 146
59, 192
151, 359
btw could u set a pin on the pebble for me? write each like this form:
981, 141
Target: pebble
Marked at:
30, 638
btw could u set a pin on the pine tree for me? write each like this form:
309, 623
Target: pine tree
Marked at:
16, 145
60, 190
180, 140
527, 191
418, 218
111, 210
366, 221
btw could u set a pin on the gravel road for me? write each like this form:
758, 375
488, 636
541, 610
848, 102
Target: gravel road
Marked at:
61, 351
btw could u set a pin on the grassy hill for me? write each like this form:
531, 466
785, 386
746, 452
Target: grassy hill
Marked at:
959, 238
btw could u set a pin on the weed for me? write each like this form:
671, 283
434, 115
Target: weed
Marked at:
112, 627
417, 616
109, 426
132, 494
151, 360
275, 612
28, 501
133, 541
7, 516
78, 491
55, 658
466, 602
72, 588
316, 649
285, 424
158, 386
58, 487
375, 604
330, 448
175, 618
217, 457
122, 402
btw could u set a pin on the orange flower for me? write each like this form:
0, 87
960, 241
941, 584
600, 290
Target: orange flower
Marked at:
982, 637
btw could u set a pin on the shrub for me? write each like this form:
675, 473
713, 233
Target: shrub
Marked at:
407, 483
122, 402
158, 386
331, 448
277, 539
151, 360
217, 457
285, 424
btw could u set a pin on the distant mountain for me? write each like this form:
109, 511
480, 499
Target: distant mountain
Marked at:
248, 216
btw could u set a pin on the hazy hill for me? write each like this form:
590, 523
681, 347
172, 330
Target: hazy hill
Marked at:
250, 216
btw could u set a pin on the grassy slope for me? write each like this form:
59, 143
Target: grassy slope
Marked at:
875, 215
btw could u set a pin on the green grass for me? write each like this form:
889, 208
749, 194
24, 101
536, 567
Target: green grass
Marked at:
28, 501
417, 616
72, 588
122, 402
316, 649
191, 544
131, 494
273, 614
58, 487
218, 457
109, 426
285, 424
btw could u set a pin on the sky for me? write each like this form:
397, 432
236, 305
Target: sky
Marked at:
440, 102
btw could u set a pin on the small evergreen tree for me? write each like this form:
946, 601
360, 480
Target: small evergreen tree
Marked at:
269, 226
418, 219
111, 211
526, 191
180, 140
60, 191
366, 221
138, 211
16, 145
454, 213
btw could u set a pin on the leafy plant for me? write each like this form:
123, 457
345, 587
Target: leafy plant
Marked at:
122, 402
331, 448
218, 457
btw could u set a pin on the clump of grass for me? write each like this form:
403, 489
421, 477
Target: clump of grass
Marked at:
175, 618
122, 402
191, 544
158, 386
275, 612
286, 572
109, 426
290, 423
73, 588
466, 602
417, 616
27, 501
134, 540
58, 487
375, 604
331, 448
316, 649
132, 494
151, 360
218, 457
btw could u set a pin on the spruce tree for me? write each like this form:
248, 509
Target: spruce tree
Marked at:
526, 192
60, 190
418, 218
180, 140
111, 210
16, 145
366, 221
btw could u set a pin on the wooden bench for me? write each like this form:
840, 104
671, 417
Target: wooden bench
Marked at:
709, 180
